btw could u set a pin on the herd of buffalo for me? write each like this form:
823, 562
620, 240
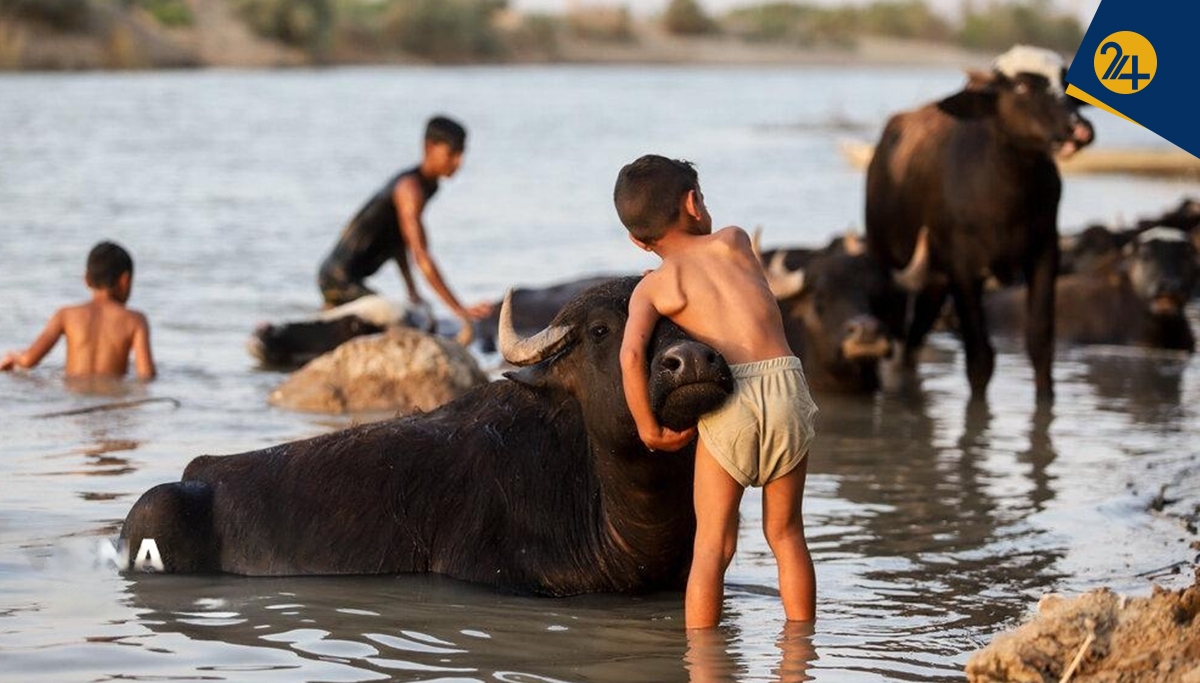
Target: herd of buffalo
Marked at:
538, 483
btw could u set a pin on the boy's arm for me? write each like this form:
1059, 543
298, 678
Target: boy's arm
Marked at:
414, 296
143, 359
638, 329
40, 347
408, 206
408, 203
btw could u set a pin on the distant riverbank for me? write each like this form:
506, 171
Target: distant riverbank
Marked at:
146, 34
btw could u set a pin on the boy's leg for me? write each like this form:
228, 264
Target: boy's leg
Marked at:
783, 525
716, 496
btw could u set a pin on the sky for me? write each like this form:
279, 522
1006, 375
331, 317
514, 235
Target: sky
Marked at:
1085, 9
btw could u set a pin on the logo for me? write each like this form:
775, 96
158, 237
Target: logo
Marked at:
147, 558
1126, 62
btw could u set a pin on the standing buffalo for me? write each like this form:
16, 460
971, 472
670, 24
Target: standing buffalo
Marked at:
1135, 300
538, 483
977, 169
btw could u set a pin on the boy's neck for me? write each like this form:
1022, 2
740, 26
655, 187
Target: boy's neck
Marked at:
106, 296
425, 171
673, 241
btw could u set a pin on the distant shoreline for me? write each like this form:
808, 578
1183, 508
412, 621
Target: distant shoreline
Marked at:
132, 41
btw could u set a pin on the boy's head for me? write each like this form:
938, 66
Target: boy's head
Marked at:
110, 268
654, 193
445, 141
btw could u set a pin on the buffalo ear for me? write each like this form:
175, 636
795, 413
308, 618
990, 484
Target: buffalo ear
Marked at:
970, 104
533, 376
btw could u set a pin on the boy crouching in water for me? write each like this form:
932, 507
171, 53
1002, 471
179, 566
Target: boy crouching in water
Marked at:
712, 285
101, 332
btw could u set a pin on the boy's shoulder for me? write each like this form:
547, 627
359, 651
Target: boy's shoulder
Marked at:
732, 234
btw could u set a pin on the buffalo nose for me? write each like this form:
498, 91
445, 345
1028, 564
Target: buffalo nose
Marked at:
863, 328
687, 357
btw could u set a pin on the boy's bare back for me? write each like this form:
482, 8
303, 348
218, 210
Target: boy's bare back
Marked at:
100, 333
713, 287
100, 336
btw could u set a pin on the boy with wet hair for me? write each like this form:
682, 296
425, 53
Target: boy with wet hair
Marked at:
389, 227
713, 286
100, 333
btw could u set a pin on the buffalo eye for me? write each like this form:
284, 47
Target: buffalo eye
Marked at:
598, 332
1021, 89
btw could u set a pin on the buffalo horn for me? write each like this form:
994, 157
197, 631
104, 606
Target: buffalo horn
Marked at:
783, 282
756, 242
915, 274
527, 351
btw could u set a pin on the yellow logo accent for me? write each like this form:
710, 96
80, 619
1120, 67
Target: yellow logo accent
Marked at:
1125, 62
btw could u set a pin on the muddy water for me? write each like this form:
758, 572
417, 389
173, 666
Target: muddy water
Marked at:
932, 525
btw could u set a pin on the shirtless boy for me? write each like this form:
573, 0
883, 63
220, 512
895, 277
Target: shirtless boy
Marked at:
101, 332
712, 285
389, 227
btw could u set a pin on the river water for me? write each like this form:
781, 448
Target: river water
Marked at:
933, 527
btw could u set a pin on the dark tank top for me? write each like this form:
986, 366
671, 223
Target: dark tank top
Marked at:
372, 237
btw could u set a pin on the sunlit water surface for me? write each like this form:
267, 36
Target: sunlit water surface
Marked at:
932, 526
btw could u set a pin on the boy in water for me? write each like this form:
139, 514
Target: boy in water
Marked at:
389, 227
100, 333
713, 286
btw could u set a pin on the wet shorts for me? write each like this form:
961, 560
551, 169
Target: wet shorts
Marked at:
337, 290
765, 428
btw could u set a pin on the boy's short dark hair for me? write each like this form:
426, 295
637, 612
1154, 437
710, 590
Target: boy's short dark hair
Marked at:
648, 194
106, 263
446, 130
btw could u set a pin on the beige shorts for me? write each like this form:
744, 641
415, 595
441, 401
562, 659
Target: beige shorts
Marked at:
765, 428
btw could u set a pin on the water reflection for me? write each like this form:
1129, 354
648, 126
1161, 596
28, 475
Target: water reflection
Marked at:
711, 654
936, 510
1142, 384
108, 387
412, 628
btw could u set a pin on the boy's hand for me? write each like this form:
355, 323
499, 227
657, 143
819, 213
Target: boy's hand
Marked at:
9, 362
479, 311
664, 439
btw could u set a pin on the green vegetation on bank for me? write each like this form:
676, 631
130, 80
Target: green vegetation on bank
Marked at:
994, 26
450, 31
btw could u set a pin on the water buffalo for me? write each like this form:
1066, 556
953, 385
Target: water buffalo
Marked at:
843, 316
1137, 300
534, 308
536, 484
977, 169
1099, 246
292, 344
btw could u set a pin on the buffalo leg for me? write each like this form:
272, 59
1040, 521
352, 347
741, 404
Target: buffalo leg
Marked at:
1039, 328
924, 309
981, 358
178, 518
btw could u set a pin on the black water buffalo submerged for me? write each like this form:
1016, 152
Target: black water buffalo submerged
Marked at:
1138, 300
977, 170
1099, 246
289, 345
534, 308
845, 312
537, 484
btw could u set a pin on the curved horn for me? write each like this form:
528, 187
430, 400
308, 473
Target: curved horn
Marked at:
756, 242
520, 351
784, 283
916, 273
